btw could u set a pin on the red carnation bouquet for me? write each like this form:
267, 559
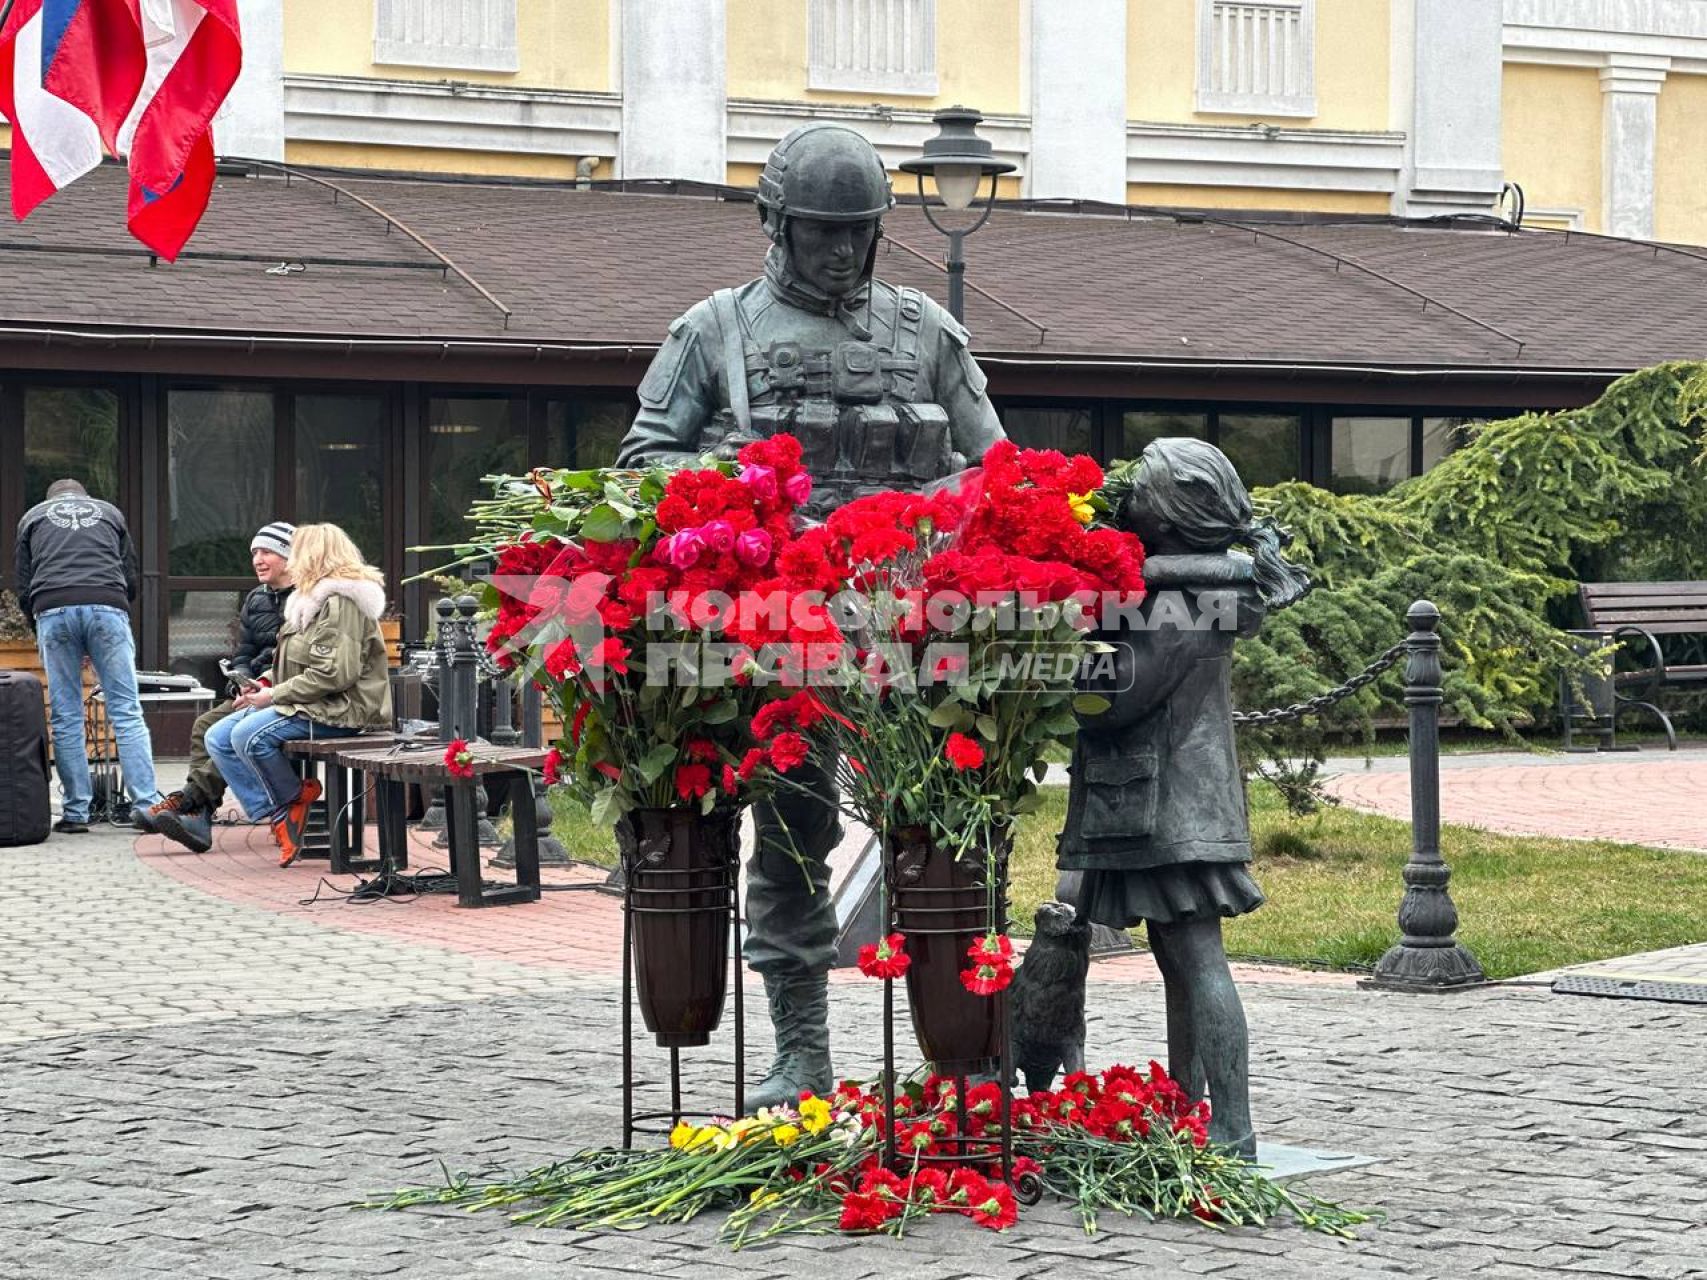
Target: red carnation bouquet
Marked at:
973, 617
646, 604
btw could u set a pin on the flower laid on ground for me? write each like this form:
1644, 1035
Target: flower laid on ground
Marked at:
886, 958
459, 760
1127, 1141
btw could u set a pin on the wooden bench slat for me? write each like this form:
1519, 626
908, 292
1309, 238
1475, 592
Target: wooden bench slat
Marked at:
1631, 605
1669, 628
1592, 590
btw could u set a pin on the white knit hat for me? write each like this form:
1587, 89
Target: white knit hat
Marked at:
275, 538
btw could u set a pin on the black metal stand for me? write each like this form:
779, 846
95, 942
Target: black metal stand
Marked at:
635, 902
960, 1148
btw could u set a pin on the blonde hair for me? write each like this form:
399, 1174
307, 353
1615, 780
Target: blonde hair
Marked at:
321, 551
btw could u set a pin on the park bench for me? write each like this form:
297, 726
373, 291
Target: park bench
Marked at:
1661, 629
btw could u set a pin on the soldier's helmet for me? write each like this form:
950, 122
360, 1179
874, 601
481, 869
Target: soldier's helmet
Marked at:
826, 172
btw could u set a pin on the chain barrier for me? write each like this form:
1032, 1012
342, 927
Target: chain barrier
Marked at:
1322, 701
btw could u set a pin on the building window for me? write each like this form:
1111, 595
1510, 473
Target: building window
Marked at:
873, 46
468, 438
1263, 447
220, 465
583, 434
70, 433
340, 467
1067, 429
1369, 454
1257, 58
465, 35
1140, 427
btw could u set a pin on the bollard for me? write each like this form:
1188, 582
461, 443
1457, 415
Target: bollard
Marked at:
445, 611
459, 697
1427, 956
538, 808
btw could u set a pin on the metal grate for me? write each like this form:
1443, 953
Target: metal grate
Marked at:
1582, 984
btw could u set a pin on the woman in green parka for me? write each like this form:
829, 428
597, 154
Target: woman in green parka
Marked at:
330, 679
1156, 821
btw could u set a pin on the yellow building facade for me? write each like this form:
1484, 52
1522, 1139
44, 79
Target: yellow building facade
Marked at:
1594, 108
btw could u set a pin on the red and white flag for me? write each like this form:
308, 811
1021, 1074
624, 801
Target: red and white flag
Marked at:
194, 54
143, 76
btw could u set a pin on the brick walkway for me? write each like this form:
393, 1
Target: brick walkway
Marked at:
1648, 797
199, 1074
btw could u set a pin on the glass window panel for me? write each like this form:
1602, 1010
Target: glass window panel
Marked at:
1139, 427
202, 628
1262, 446
1441, 436
582, 434
467, 439
70, 433
1068, 429
219, 479
1370, 454
340, 467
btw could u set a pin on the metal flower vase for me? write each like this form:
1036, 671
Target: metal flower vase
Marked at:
942, 905
680, 918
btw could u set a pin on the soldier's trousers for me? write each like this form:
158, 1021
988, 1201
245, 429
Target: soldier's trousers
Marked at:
203, 783
791, 922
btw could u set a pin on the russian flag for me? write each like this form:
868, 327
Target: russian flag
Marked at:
54, 142
195, 50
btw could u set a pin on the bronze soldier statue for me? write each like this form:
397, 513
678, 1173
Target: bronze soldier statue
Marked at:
877, 384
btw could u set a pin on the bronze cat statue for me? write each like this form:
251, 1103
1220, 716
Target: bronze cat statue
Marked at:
1046, 1004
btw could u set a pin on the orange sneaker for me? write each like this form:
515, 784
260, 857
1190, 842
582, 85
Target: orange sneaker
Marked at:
287, 831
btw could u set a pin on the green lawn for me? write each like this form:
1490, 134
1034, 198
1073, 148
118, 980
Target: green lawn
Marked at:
1333, 883
1334, 886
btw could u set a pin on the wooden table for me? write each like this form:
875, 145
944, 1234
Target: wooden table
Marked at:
344, 802
395, 766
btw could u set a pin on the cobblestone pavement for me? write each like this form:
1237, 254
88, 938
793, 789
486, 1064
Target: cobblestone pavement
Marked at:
198, 1087
1650, 797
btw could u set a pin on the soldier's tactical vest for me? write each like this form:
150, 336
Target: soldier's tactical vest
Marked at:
851, 407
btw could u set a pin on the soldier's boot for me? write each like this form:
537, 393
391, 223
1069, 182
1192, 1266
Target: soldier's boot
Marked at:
800, 1014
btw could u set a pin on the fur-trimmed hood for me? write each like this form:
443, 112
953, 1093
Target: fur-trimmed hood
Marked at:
304, 606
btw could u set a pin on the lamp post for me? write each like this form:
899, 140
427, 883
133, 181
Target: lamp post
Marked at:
957, 158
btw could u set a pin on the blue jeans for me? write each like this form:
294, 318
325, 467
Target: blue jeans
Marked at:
248, 747
101, 633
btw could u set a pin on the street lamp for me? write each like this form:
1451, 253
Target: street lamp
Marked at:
957, 158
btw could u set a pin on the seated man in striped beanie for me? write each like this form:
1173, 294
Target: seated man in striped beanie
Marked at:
186, 816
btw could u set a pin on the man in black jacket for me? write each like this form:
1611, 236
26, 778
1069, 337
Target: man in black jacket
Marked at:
77, 575
187, 816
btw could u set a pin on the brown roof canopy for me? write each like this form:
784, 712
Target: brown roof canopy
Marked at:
609, 267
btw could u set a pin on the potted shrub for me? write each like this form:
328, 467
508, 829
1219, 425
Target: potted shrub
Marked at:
17, 642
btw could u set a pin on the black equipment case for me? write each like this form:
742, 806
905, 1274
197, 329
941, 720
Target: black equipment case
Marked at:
25, 817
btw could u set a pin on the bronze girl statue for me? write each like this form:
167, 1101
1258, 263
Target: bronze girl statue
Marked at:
1156, 818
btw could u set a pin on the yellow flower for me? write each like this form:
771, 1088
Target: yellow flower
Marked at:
681, 1135
786, 1135
814, 1115
1080, 503
745, 1130
760, 1197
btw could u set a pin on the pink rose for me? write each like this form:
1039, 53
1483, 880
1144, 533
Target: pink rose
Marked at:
719, 535
798, 487
753, 547
682, 549
761, 480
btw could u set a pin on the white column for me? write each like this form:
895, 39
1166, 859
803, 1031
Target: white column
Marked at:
1630, 91
1455, 108
675, 93
1078, 100
251, 120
